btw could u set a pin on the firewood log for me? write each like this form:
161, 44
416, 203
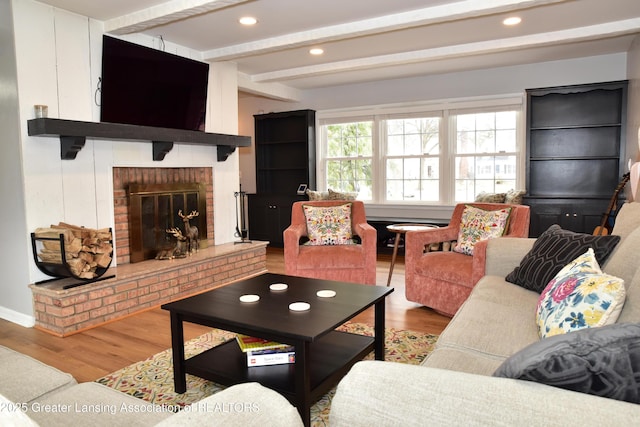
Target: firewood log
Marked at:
86, 249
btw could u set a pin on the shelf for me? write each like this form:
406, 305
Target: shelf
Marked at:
331, 357
602, 125
562, 198
73, 134
546, 159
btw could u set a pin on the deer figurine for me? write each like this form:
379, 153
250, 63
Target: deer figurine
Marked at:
180, 249
191, 232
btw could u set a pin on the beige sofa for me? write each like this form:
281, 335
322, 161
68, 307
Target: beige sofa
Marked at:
32, 394
455, 386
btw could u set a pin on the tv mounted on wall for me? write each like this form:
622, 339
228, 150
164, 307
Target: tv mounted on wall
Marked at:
149, 87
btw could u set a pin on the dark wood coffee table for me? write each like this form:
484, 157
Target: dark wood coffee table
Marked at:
323, 355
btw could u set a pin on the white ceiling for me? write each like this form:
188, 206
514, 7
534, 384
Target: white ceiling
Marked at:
368, 40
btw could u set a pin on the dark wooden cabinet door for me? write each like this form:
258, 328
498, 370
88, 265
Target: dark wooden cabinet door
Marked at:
269, 216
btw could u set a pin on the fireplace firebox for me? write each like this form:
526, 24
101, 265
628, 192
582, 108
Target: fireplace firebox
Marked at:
155, 208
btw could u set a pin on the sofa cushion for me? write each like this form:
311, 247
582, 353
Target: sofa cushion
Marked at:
376, 393
96, 405
580, 296
330, 256
328, 225
25, 378
554, 249
463, 360
242, 405
453, 267
14, 414
602, 361
479, 224
496, 306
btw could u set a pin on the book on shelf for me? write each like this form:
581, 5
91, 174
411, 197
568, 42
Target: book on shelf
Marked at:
272, 356
248, 343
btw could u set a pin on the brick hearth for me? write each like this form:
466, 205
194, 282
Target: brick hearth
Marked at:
141, 286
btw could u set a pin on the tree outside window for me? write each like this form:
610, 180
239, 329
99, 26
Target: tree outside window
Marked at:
349, 158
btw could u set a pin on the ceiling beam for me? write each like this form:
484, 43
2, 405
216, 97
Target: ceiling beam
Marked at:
593, 32
269, 90
414, 18
164, 13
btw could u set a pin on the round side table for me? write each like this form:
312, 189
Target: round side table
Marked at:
400, 229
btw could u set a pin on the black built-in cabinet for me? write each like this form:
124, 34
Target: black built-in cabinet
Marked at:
285, 158
575, 153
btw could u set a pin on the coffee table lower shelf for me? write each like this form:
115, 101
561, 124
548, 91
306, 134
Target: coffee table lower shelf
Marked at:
331, 358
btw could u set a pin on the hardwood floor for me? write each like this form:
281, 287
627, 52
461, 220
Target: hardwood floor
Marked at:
99, 351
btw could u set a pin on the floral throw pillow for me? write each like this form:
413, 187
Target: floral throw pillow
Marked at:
478, 224
580, 296
328, 225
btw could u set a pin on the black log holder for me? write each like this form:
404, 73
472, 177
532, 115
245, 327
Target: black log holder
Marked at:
61, 271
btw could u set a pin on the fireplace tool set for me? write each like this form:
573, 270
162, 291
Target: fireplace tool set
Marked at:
241, 228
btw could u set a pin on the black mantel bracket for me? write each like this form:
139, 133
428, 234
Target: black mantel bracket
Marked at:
73, 134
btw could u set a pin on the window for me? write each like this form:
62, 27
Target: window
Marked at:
349, 158
485, 153
428, 156
412, 159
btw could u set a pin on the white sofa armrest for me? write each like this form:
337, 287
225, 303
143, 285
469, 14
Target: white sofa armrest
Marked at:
242, 405
392, 394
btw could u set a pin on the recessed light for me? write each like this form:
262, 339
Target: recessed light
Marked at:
248, 20
512, 20
316, 51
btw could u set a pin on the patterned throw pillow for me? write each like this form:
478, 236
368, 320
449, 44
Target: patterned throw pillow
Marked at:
554, 249
478, 224
328, 225
484, 197
580, 296
514, 197
317, 195
336, 195
601, 361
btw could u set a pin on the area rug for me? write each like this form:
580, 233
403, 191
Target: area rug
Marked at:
152, 379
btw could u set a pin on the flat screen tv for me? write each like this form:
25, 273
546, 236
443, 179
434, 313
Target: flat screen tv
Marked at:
149, 87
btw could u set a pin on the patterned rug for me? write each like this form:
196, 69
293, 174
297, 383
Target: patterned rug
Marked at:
152, 379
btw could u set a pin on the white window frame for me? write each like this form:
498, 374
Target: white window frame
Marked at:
445, 109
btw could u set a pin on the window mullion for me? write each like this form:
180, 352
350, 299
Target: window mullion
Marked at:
379, 160
447, 159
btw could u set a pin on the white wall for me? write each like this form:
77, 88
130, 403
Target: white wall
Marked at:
497, 81
15, 296
58, 62
633, 110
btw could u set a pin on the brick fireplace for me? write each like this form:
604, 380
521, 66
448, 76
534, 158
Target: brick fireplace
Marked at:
143, 285
123, 177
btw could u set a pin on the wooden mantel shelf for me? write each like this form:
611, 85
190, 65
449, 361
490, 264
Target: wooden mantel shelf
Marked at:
73, 134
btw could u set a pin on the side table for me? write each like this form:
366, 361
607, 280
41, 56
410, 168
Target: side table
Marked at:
400, 229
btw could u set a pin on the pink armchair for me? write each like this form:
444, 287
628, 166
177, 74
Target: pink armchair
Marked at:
347, 263
443, 280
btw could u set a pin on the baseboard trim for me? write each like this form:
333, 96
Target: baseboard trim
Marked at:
17, 317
